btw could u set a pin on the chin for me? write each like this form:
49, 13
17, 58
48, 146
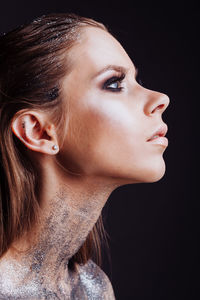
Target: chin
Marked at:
155, 174
148, 174
149, 177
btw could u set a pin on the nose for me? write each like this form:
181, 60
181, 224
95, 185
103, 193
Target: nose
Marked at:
157, 103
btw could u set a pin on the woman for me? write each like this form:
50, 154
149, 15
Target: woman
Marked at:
75, 125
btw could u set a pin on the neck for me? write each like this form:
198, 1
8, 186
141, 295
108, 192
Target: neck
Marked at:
69, 210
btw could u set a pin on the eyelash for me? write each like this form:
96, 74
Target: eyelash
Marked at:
114, 79
119, 79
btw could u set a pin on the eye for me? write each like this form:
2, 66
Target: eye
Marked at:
113, 83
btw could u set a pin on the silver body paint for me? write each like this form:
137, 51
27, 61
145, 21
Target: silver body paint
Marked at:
42, 271
90, 282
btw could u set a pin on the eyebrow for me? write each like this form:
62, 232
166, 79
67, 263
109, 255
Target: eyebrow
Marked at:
116, 68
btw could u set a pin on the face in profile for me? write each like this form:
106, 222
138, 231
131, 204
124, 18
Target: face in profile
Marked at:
111, 116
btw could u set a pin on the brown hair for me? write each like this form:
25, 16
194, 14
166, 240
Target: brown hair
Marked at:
33, 60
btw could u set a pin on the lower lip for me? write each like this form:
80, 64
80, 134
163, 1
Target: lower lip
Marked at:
160, 141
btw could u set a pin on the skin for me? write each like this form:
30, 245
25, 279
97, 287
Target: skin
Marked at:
105, 146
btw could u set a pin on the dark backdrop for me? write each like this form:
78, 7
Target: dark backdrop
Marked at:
153, 227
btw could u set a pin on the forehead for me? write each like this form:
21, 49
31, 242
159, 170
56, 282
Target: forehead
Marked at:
96, 49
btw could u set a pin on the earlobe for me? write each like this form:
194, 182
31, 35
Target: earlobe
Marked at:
35, 133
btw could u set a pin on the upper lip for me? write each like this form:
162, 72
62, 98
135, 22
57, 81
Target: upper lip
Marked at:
161, 131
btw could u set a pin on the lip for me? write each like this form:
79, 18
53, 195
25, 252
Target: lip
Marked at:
161, 131
161, 140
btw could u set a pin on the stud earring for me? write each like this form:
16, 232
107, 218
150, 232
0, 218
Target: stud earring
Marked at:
55, 147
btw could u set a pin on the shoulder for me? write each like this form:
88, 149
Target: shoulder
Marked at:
95, 279
13, 285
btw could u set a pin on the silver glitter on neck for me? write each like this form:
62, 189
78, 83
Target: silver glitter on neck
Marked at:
43, 272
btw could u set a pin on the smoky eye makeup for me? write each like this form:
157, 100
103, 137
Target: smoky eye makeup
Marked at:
113, 84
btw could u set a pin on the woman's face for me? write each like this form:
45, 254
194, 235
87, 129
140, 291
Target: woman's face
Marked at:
111, 118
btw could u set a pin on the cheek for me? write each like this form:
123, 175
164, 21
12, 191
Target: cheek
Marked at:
117, 143
108, 138
112, 136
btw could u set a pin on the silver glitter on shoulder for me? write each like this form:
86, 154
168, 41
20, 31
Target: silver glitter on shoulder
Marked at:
88, 283
92, 284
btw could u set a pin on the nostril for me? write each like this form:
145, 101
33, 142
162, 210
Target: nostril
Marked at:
161, 106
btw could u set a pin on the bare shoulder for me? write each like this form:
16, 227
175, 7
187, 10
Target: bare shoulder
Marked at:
3, 281
96, 281
12, 285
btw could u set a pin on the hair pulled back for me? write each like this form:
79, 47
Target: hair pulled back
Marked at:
33, 61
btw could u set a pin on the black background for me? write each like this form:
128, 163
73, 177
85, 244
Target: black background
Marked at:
153, 227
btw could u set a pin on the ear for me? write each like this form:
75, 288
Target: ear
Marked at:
35, 132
